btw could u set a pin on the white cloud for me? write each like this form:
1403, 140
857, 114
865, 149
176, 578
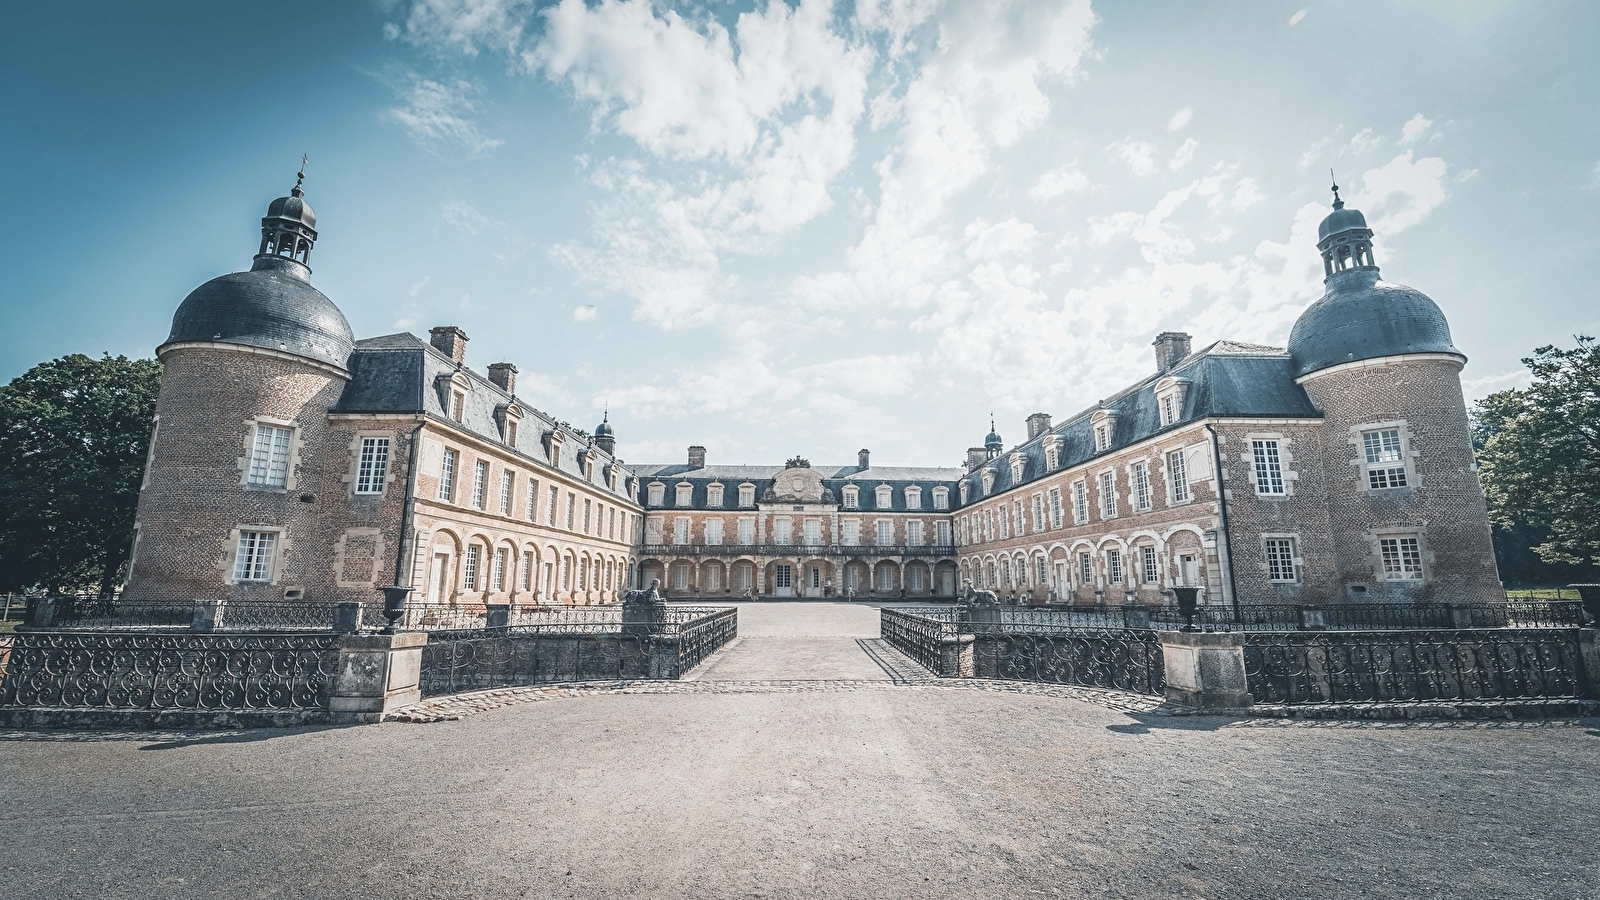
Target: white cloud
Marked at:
459, 26
436, 115
1401, 194
464, 216
1139, 155
584, 313
1183, 155
1415, 129
1365, 140
1180, 119
1060, 180
1245, 194
1295, 19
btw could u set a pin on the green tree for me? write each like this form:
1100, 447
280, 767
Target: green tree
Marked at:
73, 438
1539, 453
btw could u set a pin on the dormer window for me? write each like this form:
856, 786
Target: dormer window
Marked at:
852, 497
509, 416
714, 495
913, 497
1105, 426
988, 482
1017, 464
1052, 457
1170, 394
965, 488
685, 495
747, 495
884, 498
656, 493
458, 403
554, 448
941, 498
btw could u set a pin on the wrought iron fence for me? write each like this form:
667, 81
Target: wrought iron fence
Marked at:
701, 631
919, 632
1125, 659
115, 612
1399, 665
161, 671
795, 551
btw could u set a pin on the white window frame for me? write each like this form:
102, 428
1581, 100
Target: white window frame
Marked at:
255, 555
372, 465
480, 487
682, 530
811, 532
1397, 560
941, 533
448, 463
883, 497
1086, 569
683, 495
1080, 502
850, 532
852, 497
271, 456
1149, 565
1108, 494
508, 485
1266, 465
714, 495
656, 494
1385, 469
1282, 555
1114, 570
469, 568
1178, 490
1055, 507
714, 532
941, 498
878, 529
1139, 472
1038, 513
913, 497
533, 500
747, 496
914, 533
554, 508
497, 574
747, 531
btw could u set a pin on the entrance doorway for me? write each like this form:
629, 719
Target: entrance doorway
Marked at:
783, 581
813, 581
439, 583
1189, 572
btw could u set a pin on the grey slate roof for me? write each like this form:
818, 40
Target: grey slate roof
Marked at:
272, 306
401, 373
1226, 379
1361, 317
834, 479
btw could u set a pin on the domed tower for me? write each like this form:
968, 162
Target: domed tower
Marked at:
1408, 514
254, 361
993, 446
604, 437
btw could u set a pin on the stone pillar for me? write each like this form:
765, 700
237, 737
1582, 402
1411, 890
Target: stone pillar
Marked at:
1135, 617
1312, 618
378, 673
1460, 615
956, 655
1589, 656
346, 617
207, 616
41, 612
1205, 671
664, 657
497, 615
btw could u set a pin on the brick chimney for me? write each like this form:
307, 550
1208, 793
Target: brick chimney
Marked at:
697, 457
504, 375
449, 340
862, 458
1038, 424
1171, 346
976, 456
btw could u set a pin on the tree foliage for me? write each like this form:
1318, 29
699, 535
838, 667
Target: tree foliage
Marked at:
1539, 453
73, 438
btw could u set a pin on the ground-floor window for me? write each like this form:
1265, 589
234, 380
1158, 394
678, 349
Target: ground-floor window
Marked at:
784, 577
1113, 566
1085, 569
1402, 559
680, 577
1147, 561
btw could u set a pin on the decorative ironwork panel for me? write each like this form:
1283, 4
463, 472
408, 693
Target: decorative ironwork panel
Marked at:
518, 656
701, 632
1400, 666
136, 670
919, 636
1124, 660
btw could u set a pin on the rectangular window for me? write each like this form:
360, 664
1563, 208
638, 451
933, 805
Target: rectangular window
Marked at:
566, 573
655, 493
1177, 477
1050, 458
1385, 459
527, 571
914, 534
913, 498
1102, 437
480, 477
373, 466
1080, 503
813, 532
941, 533
611, 523
1113, 566
1055, 507
458, 402
572, 504
497, 577
1005, 522
852, 499
780, 531
1043, 577
1268, 467
252, 560
684, 495
852, 533
747, 531
680, 530
550, 511
511, 433
1038, 513
652, 531
1085, 569
447, 476
885, 533
1108, 494
714, 495
1402, 559
507, 485
588, 507
533, 500
941, 498
1280, 561
269, 457
1147, 560
1021, 527
469, 569
747, 496
713, 531
1141, 486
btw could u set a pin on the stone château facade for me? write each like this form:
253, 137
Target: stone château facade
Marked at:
291, 461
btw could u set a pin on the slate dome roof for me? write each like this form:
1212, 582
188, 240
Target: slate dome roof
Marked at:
1341, 219
272, 306
1361, 317
294, 208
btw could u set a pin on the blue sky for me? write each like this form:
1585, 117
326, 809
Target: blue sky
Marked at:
804, 228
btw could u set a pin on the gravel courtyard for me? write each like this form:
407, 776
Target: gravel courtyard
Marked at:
795, 766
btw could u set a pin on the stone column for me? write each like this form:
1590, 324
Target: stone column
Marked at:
1589, 658
956, 655
1205, 671
207, 616
346, 617
378, 673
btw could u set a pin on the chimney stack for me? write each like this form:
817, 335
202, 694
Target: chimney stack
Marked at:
1038, 424
976, 456
697, 457
861, 459
449, 340
1171, 346
504, 375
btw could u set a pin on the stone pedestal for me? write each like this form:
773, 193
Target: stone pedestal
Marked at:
1460, 615
1205, 671
346, 617
378, 673
664, 657
956, 656
1135, 617
1589, 653
497, 615
1312, 618
207, 616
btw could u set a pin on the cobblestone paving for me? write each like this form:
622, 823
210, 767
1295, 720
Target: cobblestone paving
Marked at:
899, 785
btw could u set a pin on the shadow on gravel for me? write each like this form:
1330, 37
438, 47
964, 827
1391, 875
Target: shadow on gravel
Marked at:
160, 740
1144, 723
